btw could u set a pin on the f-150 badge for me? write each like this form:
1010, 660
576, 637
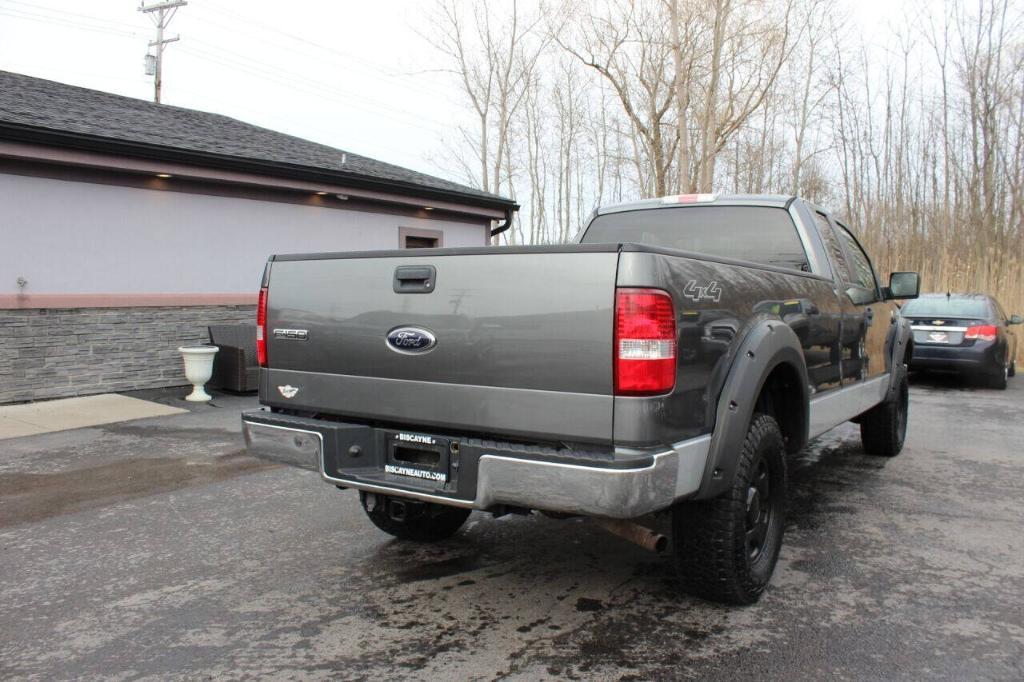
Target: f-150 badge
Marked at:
709, 292
287, 391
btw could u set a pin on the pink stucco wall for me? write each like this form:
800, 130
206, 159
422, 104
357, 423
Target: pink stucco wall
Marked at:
67, 237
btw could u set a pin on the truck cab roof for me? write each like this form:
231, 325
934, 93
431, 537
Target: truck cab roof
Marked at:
679, 200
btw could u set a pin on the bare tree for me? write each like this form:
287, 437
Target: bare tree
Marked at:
493, 58
916, 131
627, 46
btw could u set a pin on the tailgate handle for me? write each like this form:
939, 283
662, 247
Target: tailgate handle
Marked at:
414, 279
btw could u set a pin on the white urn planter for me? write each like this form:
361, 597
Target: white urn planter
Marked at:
198, 370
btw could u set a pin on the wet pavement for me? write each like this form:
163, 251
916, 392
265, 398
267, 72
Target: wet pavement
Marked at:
156, 548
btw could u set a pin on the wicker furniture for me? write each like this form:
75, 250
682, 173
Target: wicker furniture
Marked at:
235, 367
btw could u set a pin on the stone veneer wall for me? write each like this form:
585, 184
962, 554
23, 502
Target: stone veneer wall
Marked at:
56, 353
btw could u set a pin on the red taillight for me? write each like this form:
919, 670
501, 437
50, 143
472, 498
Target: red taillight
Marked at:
645, 342
261, 328
982, 332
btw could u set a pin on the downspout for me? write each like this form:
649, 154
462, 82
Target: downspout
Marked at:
507, 223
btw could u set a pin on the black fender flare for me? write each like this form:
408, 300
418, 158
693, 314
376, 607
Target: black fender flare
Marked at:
767, 344
901, 345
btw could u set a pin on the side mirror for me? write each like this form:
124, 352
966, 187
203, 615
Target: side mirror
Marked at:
1016, 319
903, 285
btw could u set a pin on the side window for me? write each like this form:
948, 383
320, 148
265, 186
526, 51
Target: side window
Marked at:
862, 273
832, 244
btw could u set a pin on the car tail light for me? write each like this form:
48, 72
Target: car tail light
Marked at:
261, 328
982, 332
645, 342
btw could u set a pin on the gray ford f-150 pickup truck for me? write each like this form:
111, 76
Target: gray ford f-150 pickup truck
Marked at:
657, 372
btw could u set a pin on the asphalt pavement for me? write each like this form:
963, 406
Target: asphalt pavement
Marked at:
156, 548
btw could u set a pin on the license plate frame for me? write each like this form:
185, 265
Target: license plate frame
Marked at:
418, 457
938, 337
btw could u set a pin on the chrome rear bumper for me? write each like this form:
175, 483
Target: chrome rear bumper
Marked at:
285, 445
624, 493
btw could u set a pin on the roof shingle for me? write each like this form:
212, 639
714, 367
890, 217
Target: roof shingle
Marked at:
49, 105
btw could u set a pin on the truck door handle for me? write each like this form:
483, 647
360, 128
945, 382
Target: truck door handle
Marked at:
414, 279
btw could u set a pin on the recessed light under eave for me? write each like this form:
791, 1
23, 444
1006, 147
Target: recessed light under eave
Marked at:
428, 208
164, 175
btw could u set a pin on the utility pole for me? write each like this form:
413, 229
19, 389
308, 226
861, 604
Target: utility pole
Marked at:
165, 11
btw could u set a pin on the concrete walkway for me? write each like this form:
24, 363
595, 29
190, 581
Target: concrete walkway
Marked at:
74, 413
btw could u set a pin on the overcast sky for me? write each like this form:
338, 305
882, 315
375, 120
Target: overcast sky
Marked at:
354, 74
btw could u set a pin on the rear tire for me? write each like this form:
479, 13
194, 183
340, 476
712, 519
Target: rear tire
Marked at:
998, 381
419, 522
883, 428
726, 548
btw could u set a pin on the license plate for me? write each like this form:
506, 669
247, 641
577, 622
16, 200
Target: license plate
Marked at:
419, 456
938, 337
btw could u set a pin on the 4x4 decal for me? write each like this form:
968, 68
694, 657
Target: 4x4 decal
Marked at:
709, 292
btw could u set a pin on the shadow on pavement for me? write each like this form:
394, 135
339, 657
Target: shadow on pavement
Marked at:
949, 381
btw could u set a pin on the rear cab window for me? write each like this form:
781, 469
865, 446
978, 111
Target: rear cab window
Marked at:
758, 234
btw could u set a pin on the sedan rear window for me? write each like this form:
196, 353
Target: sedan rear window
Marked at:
940, 306
759, 234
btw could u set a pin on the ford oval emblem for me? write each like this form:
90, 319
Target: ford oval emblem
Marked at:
411, 340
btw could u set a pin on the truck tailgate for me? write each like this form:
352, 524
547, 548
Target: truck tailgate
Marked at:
523, 339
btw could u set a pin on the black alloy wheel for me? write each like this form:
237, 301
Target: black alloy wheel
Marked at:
760, 508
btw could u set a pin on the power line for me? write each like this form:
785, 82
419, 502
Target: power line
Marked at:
409, 81
64, 13
287, 126
298, 45
246, 64
264, 71
165, 11
406, 81
295, 81
19, 14
376, 106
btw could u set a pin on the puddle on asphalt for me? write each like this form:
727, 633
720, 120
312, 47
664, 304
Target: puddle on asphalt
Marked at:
27, 497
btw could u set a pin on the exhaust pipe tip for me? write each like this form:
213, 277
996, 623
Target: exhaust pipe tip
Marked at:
635, 533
